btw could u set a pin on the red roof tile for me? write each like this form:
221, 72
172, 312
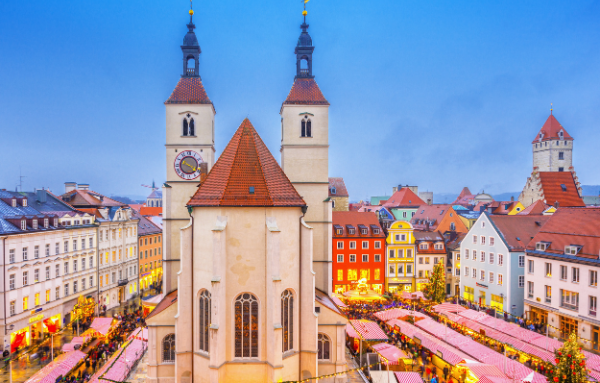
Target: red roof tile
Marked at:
536, 208
305, 91
553, 191
165, 303
189, 90
433, 214
246, 163
89, 198
339, 185
354, 218
550, 131
147, 210
404, 197
518, 230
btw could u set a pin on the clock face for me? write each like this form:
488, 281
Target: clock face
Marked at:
187, 164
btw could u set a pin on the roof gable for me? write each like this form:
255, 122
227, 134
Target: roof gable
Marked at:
517, 230
337, 187
305, 91
551, 131
404, 197
189, 90
246, 174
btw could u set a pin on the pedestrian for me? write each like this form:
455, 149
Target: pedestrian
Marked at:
434, 379
445, 372
427, 372
422, 368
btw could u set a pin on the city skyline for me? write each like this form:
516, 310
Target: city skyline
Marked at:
98, 82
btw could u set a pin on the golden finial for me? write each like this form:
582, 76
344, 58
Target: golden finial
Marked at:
551, 108
191, 10
304, 13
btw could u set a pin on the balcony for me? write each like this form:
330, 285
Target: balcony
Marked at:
123, 282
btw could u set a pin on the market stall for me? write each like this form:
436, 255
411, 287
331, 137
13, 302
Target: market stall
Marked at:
408, 377
393, 358
150, 304
448, 307
60, 366
103, 325
367, 331
360, 296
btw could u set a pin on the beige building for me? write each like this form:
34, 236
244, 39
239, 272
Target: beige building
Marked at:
338, 194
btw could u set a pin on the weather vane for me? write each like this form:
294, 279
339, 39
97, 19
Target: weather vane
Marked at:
304, 13
550, 104
191, 9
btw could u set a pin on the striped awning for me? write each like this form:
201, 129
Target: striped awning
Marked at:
408, 377
351, 332
368, 330
389, 353
338, 302
448, 307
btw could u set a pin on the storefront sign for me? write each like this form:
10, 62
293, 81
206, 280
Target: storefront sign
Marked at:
36, 318
36, 311
480, 285
402, 280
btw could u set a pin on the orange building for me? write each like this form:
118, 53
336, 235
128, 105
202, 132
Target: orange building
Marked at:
150, 253
358, 251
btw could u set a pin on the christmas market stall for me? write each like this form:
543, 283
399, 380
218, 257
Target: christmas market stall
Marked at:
84, 309
366, 331
449, 308
408, 377
398, 313
60, 366
103, 326
118, 367
392, 357
150, 304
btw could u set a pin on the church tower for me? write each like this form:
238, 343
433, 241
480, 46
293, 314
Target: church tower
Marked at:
190, 146
552, 148
305, 153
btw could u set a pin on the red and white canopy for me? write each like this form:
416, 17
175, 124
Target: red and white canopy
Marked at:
408, 377
102, 325
448, 307
368, 330
391, 354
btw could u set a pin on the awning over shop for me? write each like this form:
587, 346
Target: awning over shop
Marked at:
398, 313
18, 341
60, 366
448, 307
408, 377
391, 354
351, 332
368, 330
102, 325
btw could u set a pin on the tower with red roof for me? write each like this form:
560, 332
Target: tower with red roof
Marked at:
305, 153
552, 148
190, 147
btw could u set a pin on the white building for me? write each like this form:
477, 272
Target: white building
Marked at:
117, 243
562, 267
48, 256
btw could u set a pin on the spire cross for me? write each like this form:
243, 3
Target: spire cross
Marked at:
550, 104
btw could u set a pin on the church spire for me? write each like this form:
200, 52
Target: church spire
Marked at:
191, 49
304, 50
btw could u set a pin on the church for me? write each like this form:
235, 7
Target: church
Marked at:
247, 242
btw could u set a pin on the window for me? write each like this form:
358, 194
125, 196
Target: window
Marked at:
83, 244
500, 279
409, 269
482, 240
482, 256
482, 275
569, 299
25, 303
47, 250
47, 296
377, 244
435, 260
521, 260
491, 277
204, 311
426, 260
365, 244
11, 256
593, 305
392, 270
352, 244
593, 278
67, 290
474, 273
57, 248
561, 155
25, 257
500, 259
306, 127
287, 320
340, 275
57, 270
377, 274
324, 346
246, 326
340, 244
74, 244
575, 274
400, 253
420, 260
452, 225
168, 349
75, 287
82, 263
491, 258
12, 281
529, 289
521, 281
25, 278
23, 223
377, 257
12, 307
475, 239
420, 273
424, 246
66, 246
91, 240
352, 257
530, 267
340, 258
83, 284
91, 281
491, 241
75, 265
548, 269
466, 272
37, 299
365, 257
466, 253
474, 255
36, 252
563, 273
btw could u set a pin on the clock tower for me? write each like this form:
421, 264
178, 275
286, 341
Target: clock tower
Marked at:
190, 146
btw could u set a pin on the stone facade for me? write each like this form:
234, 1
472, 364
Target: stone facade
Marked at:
553, 156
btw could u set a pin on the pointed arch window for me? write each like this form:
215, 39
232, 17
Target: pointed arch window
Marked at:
324, 347
204, 314
185, 127
192, 130
306, 127
287, 320
168, 349
246, 326
188, 126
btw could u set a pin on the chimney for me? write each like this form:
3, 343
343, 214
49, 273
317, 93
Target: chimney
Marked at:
83, 186
556, 204
512, 198
70, 186
41, 196
394, 189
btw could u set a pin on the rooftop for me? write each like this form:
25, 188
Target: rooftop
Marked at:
305, 91
404, 197
189, 90
518, 230
337, 187
551, 131
560, 187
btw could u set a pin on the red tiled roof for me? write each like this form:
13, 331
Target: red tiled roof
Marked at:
89, 198
571, 226
167, 301
305, 91
246, 163
136, 206
433, 214
518, 230
404, 197
189, 90
339, 185
551, 188
536, 208
550, 131
146, 210
94, 212
354, 218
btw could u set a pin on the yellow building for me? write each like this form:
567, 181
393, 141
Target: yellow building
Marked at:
400, 257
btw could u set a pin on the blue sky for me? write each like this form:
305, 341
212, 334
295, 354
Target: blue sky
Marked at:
436, 94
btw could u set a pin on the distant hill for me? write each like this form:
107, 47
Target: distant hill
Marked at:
590, 189
123, 199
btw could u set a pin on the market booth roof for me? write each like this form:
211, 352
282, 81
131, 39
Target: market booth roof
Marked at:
448, 307
368, 330
351, 332
102, 325
408, 377
397, 313
391, 354
59, 366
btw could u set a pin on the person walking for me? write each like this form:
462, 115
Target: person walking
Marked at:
434, 379
445, 373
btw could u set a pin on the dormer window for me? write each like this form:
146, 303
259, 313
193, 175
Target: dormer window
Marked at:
364, 231
55, 221
424, 246
306, 127
542, 246
572, 250
439, 246
375, 231
333, 191
35, 224
561, 134
339, 231
351, 231
46, 223
23, 224
24, 202
14, 202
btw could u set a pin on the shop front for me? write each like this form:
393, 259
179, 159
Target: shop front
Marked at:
537, 315
84, 309
498, 303
421, 283
33, 329
19, 339
469, 294
398, 285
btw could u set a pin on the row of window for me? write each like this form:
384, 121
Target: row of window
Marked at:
400, 267
426, 260
48, 275
352, 244
353, 274
564, 273
400, 253
144, 254
144, 241
490, 257
351, 230
47, 249
148, 266
482, 238
491, 276
37, 299
352, 258
568, 299
129, 253
117, 233
129, 272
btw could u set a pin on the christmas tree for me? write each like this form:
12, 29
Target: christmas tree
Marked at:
436, 288
570, 363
